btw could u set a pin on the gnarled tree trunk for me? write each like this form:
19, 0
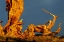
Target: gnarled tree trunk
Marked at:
14, 9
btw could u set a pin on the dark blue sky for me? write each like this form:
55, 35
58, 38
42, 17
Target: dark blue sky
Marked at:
34, 14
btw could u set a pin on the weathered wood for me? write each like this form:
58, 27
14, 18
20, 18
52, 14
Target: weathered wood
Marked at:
15, 9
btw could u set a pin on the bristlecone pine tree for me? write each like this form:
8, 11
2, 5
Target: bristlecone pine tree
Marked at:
14, 25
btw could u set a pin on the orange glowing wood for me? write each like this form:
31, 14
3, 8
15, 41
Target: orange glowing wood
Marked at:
14, 25
1, 29
14, 9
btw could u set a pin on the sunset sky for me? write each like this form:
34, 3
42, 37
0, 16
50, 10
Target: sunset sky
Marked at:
33, 13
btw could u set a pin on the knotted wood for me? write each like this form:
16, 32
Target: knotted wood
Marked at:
15, 9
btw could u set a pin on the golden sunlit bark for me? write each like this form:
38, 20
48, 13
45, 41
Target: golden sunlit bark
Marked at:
1, 29
14, 9
14, 25
45, 29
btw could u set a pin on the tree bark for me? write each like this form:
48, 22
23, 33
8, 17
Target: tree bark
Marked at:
14, 9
